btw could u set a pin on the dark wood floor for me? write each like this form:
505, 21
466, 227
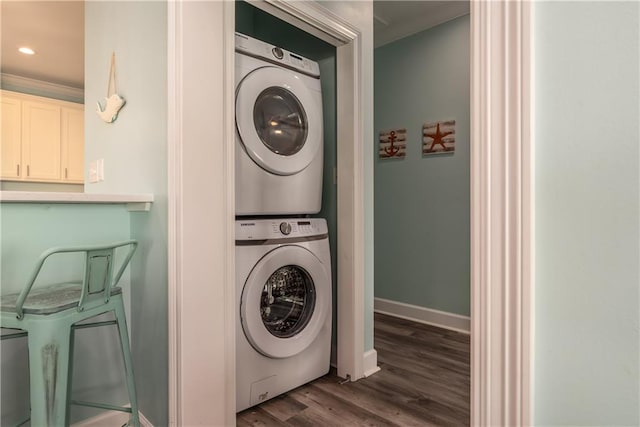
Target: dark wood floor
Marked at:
424, 380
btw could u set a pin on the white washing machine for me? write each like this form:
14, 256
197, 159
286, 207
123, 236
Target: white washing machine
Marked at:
283, 297
279, 135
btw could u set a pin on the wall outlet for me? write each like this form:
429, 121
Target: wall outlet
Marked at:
93, 171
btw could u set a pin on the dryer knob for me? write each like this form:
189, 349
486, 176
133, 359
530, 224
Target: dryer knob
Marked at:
277, 52
285, 228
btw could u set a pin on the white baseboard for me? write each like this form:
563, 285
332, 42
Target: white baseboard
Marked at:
442, 319
370, 363
111, 419
144, 422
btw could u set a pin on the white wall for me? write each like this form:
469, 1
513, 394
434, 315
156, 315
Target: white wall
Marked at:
587, 339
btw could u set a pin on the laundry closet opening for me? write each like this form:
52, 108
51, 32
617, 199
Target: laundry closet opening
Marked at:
264, 27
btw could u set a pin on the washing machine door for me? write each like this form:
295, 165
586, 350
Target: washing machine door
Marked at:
285, 301
279, 120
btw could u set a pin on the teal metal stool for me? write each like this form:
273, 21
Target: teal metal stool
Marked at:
48, 317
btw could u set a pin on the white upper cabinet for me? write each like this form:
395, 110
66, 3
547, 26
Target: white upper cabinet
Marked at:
42, 139
73, 144
10, 122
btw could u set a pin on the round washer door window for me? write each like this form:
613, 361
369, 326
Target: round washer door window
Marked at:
279, 120
285, 301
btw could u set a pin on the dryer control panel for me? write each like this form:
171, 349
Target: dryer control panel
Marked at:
259, 49
264, 229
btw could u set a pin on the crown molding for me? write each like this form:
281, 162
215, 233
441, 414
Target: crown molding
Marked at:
39, 87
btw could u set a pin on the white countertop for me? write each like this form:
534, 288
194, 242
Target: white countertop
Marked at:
134, 202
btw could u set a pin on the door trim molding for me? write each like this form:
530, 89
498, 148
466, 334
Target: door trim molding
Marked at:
201, 213
174, 164
201, 241
320, 22
502, 207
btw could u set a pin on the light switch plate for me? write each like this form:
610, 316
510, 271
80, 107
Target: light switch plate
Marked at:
93, 171
100, 169
96, 171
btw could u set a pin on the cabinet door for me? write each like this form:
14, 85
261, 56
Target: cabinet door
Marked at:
41, 141
11, 138
73, 145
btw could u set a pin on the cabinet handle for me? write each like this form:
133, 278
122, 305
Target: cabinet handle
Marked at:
17, 170
66, 173
27, 170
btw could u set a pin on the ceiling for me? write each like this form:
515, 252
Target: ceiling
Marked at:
394, 20
55, 30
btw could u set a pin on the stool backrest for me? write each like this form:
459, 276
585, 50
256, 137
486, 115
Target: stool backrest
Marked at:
98, 274
98, 278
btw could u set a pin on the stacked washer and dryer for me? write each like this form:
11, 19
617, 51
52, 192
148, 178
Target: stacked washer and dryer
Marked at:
283, 262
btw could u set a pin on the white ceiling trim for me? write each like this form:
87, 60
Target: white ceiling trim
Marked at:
15, 83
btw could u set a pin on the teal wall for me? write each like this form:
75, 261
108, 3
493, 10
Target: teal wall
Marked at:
587, 340
263, 26
134, 149
329, 209
256, 23
422, 204
27, 230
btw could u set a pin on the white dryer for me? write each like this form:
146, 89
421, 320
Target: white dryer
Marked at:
279, 131
283, 297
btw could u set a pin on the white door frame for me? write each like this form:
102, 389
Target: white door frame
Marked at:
501, 213
201, 245
202, 312
350, 172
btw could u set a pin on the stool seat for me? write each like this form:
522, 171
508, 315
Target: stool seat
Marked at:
49, 299
49, 315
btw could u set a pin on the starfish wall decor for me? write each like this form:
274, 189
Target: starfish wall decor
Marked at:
438, 137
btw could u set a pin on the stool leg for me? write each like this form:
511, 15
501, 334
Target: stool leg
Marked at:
49, 358
128, 362
72, 337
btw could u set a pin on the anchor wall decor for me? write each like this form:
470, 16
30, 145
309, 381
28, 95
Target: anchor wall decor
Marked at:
113, 101
438, 137
393, 144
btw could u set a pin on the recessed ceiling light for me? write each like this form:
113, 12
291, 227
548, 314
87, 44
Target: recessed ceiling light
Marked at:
26, 50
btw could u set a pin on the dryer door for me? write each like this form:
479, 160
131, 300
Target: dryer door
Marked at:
279, 120
285, 301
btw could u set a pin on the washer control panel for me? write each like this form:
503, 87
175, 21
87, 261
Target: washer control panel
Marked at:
264, 229
259, 49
